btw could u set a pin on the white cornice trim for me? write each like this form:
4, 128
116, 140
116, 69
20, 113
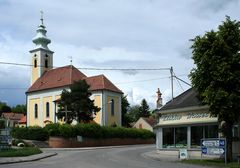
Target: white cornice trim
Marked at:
192, 108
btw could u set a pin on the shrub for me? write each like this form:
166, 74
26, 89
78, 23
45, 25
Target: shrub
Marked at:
31, 133
37, 133
20, 133
66, 130
53, 129
85, 130
2, 124
88, 130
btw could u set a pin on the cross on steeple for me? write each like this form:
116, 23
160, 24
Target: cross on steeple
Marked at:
41, 12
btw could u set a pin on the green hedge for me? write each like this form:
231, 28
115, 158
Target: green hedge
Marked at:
32, 133
85, 130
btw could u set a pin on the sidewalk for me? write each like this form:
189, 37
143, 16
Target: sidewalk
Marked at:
155, 155
9, 160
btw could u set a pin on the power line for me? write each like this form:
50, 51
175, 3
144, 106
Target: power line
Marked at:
183, 81
146, 80
178, 82
87, 68
119, 83
18, 64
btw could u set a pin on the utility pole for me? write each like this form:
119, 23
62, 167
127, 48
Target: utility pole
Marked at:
171, 72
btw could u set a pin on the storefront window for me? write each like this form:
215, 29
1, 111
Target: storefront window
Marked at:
196, 136
236, 132
181, 137
211, 131
168, 138
199, 132
175, 137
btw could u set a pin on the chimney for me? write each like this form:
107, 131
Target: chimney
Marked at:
159, 99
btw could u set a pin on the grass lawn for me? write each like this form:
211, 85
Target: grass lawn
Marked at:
26, 151
214, 163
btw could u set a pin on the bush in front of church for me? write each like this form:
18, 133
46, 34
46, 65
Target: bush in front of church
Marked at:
31, 133
86, 130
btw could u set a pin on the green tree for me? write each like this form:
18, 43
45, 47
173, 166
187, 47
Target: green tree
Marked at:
144, 109
77, 101
4, 107
217, 74
20, 108
133, 113
125, 106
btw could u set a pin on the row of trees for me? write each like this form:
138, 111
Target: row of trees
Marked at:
131, 114
20, 108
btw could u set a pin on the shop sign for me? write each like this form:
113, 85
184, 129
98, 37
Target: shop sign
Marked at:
197, 115
191, 115
171, 117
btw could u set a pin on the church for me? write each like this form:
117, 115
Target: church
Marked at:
47, 84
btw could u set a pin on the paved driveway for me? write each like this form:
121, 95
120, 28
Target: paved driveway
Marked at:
124, 157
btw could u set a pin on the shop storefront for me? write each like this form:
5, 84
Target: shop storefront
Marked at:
183, 122
185, 128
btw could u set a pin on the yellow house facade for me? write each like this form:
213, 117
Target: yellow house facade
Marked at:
47, 84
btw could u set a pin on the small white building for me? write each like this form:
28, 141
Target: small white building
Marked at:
145, 123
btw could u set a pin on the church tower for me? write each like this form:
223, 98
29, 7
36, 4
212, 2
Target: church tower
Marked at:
41, 56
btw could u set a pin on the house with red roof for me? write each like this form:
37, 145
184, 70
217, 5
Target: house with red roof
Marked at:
14, 119
47, 84
145, 123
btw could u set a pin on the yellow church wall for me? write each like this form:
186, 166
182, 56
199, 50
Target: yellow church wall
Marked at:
56, 98
34, 71
32, 120
97, 102
49, 100
113, 118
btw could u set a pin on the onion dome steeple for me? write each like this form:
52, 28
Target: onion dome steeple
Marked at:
41, 39
42, 57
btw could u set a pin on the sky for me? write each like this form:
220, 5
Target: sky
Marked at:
137, 34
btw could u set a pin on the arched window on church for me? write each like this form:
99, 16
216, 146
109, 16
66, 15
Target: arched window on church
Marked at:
36, 111
35, 63
112, 107
47, 109
46, 63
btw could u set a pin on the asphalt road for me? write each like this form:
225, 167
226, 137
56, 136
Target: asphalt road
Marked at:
124, 157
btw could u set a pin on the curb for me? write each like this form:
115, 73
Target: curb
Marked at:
93, 148
27, 158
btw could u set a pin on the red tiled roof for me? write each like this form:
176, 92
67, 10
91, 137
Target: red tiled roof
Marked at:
58, 77
101, 82
12, 116
61, 77
150, 121
23, 120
